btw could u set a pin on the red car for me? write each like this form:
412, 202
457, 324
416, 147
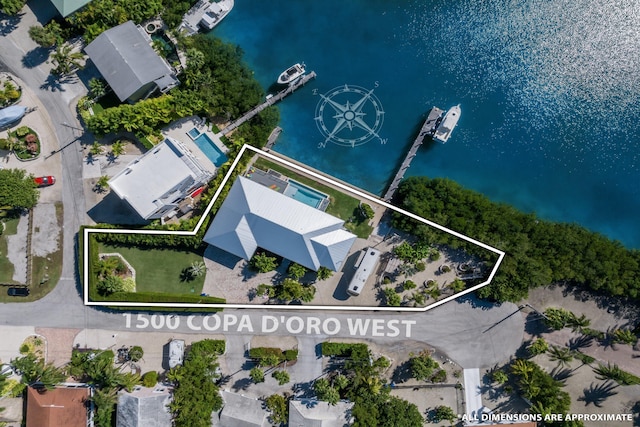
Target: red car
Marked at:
44, 181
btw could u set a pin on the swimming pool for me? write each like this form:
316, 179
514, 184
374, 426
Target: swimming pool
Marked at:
305, 194
193, 133
210, 149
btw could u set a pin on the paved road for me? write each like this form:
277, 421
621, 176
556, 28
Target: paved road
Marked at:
473, 335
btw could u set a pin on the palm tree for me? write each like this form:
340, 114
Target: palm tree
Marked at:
521, 368
117, 148
96, 149
102, 183
65, 60
577, 324
562, 355
197, 269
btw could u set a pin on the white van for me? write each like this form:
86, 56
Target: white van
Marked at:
366, 264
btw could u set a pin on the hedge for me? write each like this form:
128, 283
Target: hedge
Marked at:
264, 352
209, 346
339, 349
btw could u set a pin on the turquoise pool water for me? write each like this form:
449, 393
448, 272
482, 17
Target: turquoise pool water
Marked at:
304, 194
193, 133
210, 150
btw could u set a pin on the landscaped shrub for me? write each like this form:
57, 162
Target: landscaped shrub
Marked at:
4, 144
340, 349
272, 356
290, 355
408, 285
281, 376
420, 266
150, 379
257, 375
22, 131
209, 346
136, 353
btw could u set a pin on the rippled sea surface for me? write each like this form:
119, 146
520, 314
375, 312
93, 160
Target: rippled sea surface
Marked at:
549, 91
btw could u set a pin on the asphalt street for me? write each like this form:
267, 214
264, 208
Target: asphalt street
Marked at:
472, 333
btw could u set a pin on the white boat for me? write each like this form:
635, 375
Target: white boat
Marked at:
291, 74
215, 13
448, 123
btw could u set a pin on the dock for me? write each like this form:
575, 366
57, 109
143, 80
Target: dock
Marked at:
269, 102
427, 129
273, 136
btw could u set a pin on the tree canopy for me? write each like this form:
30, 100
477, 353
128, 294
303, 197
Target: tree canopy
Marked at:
17, 190
538, 252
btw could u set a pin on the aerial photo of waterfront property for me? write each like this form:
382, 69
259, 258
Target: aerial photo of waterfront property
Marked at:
340, 213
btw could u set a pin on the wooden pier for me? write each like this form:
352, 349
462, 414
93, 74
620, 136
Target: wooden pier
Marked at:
269, 102
426, 129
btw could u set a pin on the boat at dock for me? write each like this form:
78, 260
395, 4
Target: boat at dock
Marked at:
205, 15
215, 13
291, 74
447, 124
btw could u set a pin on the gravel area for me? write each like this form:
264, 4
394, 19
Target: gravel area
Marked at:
46, 231
17, 250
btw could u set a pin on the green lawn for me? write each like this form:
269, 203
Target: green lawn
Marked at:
159, 270
342, 205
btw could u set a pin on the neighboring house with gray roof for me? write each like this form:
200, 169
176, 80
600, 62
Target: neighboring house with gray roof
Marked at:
161, 181
315, 413
241, 411
128, 63
253, 216
67, 7
144, 407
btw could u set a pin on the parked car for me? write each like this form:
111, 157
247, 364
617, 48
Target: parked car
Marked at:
44, 181
18, 292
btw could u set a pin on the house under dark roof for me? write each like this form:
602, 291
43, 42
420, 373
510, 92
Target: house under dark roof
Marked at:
128, 63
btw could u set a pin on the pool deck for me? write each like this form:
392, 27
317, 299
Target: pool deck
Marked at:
178, 130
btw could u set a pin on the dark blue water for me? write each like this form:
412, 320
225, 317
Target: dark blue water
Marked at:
549, 91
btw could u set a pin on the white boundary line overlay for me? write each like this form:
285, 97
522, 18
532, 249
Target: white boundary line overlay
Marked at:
88, 231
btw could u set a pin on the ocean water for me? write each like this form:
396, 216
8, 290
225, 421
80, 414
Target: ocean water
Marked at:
549, 91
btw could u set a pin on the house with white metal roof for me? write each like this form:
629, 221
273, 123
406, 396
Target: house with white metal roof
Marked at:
240, 411
314, 413
144, 407
158, 182
255, 216
128, 63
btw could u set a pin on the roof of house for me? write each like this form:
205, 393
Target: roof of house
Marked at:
61, 406
144, 407
253, 216
241, 411
126, 60
158, 177
67, 7
314, 413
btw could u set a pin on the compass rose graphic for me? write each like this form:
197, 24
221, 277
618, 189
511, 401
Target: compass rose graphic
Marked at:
349, 115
